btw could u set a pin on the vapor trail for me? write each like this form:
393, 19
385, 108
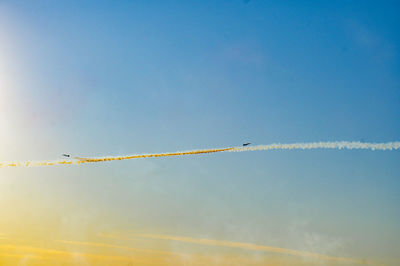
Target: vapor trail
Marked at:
295, 146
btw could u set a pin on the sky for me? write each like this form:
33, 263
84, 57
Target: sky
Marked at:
94, 78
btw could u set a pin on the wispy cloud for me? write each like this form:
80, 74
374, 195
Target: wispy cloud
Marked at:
107, 253
250, 246
22, 256
44, 253
106, 245
3, 236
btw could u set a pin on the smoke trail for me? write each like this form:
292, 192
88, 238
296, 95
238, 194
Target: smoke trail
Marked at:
324, 145
295, 146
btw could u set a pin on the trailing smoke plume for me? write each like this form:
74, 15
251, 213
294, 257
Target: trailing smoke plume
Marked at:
295, 146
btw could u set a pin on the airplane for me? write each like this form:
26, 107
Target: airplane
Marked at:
66, 155
245, 144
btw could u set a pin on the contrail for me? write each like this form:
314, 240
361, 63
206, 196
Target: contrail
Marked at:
349, 145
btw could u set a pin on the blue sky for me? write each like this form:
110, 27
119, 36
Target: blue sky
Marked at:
109, 78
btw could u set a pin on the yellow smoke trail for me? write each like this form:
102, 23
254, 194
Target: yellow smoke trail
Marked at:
295, 146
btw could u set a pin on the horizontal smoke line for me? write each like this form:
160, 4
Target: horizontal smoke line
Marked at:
339, 145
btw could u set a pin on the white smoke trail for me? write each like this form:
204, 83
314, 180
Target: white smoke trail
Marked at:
349, 145
295, 146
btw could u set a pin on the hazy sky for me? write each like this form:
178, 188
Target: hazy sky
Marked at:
121, 77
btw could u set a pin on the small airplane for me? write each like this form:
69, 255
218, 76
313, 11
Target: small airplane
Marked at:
66, 155
245, 144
